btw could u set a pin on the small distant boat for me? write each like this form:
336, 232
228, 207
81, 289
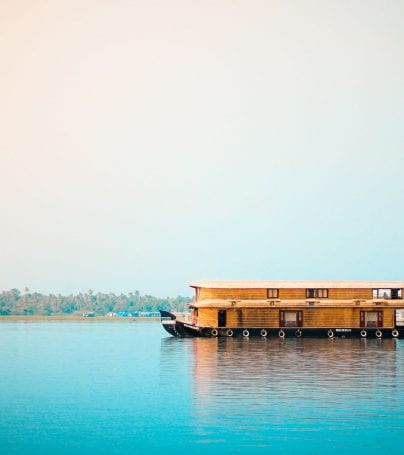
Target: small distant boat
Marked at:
292, 308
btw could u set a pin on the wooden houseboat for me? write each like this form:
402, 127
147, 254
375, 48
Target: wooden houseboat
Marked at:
292, 308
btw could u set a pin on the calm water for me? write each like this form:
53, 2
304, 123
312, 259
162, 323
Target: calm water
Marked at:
108, 387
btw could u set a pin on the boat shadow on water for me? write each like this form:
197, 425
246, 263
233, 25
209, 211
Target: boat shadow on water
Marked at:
256, 392
221, 361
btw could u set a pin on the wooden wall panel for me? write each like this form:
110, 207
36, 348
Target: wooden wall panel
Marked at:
292, 294
207, 317
312, 317
234, 318
262, 317
330, 317
342, 317
348, 294
232, 294
261, 294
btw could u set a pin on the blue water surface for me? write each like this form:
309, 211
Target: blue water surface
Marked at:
109, 387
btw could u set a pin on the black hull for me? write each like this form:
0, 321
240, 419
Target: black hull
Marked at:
178, 329
182, 329
295, 332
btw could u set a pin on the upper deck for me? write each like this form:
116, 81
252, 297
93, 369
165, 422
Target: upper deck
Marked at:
347, 293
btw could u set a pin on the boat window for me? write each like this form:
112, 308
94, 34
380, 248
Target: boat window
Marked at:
272, 293
389, 294
396, 294
317, 293
371, 319
311, 293
290, 318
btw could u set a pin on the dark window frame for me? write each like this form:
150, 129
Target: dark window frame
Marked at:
274, 291
364, 323
317, 293
310, 293
299, 318
395, 293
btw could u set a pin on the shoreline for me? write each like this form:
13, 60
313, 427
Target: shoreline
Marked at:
78, 318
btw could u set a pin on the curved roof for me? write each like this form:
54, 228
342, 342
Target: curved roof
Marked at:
300, 284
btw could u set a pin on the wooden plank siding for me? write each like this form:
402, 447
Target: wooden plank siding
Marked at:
284, 294
312, 317
350, 294
259, 318
234, 318
207, 317
232, 294
342, 317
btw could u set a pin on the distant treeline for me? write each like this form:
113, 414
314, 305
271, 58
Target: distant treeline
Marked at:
15, 302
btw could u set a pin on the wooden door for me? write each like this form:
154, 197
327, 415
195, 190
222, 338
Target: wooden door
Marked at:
362, 319
380, 319
221, 318
299, 319
281, 318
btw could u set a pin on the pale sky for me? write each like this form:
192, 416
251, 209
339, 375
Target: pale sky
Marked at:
145, 144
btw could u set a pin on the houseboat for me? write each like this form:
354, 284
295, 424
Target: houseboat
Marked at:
292, 309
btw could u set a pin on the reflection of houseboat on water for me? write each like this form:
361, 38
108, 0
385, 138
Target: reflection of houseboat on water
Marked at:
292, 308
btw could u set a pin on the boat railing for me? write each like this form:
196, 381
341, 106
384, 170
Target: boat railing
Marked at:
184, 317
